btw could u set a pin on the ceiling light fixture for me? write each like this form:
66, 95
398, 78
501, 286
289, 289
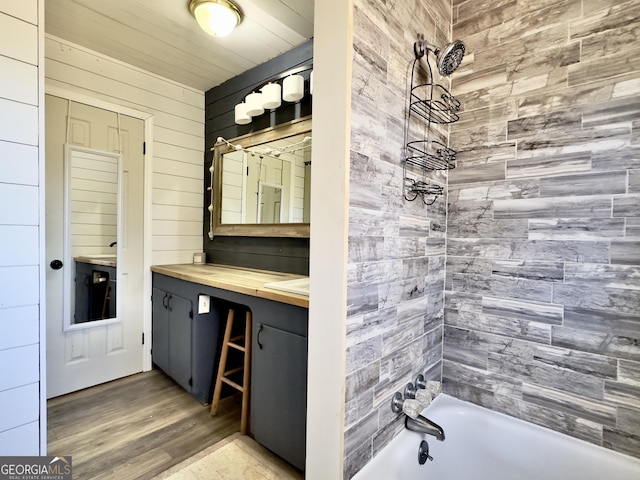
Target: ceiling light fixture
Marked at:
216, 17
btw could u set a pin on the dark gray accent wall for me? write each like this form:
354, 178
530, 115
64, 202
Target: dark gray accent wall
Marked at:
542, 293
278, 254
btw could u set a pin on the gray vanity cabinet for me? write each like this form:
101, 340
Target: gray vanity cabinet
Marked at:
278, 395
278, 389
171, 339
160, 330
185, 344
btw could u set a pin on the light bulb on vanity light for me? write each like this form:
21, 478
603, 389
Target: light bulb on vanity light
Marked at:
271, 96
241, 116
293, 88
254, 104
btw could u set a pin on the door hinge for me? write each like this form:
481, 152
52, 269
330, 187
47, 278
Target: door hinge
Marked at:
191, 381
144, 148
143, 338
191, 314
247, 171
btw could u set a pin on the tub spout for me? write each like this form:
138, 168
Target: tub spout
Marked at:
421, 424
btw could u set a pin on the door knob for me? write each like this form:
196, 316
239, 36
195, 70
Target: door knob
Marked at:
56, 264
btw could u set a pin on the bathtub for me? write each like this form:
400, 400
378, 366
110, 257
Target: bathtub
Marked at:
484, 445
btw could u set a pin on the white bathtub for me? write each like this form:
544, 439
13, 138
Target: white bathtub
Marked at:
484, 445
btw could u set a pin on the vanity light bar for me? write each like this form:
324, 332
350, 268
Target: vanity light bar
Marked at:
270, 95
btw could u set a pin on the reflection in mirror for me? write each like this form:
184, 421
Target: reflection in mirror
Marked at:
263, 186
269, 203
91, 230
246, 175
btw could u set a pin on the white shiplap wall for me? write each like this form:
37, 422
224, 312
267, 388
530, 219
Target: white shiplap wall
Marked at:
233, 178
94, 203
178, 138
22, 422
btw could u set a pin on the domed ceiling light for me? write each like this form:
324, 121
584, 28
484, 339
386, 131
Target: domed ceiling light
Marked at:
216, 17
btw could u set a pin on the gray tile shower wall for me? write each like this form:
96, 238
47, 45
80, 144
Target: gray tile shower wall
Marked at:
542, 288
396, 248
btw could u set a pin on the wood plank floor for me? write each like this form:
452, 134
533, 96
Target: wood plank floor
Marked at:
134, 428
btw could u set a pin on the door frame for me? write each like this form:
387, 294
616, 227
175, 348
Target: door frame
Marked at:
147, 118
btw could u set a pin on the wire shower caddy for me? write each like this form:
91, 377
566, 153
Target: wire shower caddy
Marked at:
432, 103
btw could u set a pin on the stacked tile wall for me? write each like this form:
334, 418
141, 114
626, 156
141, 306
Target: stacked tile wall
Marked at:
542, 290
396, 248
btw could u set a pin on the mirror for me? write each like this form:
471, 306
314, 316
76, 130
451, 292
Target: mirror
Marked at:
261, 183
91, 223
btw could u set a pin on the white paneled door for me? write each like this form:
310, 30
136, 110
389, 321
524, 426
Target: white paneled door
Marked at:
93, 354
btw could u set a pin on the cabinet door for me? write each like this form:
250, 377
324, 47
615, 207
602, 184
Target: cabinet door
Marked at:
180, 317
160, 330
279, 392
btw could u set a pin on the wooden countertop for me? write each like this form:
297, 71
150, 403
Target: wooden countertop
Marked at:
105, 261
236, 279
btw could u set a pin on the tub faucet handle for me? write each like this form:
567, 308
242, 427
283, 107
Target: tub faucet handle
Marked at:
419, 393
409, 406
434, 388
424, 397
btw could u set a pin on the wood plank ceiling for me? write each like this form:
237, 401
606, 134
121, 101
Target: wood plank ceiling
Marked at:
162, 37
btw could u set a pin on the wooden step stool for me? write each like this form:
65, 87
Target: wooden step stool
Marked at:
242, 343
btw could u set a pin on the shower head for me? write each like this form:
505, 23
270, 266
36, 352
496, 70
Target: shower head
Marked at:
450, 57
447, 58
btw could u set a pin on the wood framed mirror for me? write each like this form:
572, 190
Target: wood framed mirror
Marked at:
261, 183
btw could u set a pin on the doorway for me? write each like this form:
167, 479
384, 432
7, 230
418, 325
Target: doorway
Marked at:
93, 221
